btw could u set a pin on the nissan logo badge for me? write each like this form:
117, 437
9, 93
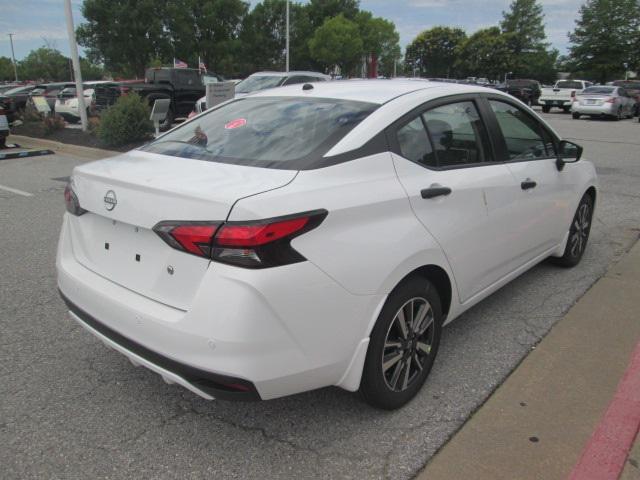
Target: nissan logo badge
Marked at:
110, 200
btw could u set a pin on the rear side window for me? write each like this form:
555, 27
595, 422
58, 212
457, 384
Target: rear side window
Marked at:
602, 90
458, 135
274, 132
524, 136
569, 84
414, 143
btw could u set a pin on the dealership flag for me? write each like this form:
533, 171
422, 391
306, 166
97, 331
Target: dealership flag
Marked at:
179, 63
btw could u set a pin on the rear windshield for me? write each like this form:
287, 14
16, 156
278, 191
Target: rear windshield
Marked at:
602, 90
254, 84
569, 84
273, 132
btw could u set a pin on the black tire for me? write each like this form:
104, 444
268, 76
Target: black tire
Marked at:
402, 346
578, 234
575, 115
546, 109
566, 109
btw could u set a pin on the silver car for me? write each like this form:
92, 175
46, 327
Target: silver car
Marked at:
604, 101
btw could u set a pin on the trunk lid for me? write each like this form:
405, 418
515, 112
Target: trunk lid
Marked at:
127, 195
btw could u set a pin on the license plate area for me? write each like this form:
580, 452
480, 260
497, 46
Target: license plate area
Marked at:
137, 259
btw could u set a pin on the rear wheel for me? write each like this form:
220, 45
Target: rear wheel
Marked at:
566, 109
403, 345
546, 108
575, 115
578, 234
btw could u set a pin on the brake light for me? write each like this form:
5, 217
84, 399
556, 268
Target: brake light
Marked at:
611, 100
573, 94
190, 237
71, 202
256, 244
124, 90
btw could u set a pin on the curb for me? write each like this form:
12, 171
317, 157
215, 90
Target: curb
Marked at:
57, 146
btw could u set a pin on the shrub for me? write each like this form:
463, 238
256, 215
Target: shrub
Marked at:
94, 125
125, 122
53, 123
30, 114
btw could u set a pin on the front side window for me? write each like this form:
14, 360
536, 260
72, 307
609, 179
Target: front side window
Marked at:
414, 143
273, 132
457, 133
524, 136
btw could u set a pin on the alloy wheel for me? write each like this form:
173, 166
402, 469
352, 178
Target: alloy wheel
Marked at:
408, 344
580, 229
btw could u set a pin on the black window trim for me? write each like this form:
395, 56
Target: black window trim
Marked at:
475, 98
499, 136
496, 151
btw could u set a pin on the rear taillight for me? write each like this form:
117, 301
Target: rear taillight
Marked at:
256, 244
71, 202
611, 100
573, 94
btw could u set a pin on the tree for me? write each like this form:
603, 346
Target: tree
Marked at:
124, 35
486, 53
523, 27
605, 38
380, 40
337, 43
6, 69
433, 52
46, 64
320, 10
208, 29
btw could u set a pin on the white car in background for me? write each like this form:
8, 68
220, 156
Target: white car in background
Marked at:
305, 237
264, 80
562, 95
67, 101
604, 101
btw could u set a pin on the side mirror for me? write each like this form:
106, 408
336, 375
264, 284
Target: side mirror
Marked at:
568, 152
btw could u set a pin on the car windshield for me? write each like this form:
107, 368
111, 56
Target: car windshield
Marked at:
254, 84
272, 132
601, 90
19, 90
569, 84
628, 85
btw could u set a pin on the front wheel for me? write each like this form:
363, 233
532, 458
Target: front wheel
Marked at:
546, 108
403, 345
578, 234
576, 116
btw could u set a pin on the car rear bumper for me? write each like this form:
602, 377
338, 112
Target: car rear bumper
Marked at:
607, 109
554, 103
274, 332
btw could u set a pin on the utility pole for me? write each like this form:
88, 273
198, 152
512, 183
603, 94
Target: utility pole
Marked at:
13, 55
287, 36
76, 64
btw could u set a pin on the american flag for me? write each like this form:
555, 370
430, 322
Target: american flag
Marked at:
179, 63
201, 65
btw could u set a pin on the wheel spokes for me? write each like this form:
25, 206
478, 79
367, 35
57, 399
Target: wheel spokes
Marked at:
391, 362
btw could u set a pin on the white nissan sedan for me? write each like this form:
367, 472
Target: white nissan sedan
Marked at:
318, 235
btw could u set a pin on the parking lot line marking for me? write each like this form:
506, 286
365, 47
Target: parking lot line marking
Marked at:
605, 454
16, 191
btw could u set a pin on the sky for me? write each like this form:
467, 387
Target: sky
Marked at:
36, 22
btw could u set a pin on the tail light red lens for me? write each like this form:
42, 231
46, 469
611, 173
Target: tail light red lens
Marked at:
191, 237
71, 202
257, 244
610, 100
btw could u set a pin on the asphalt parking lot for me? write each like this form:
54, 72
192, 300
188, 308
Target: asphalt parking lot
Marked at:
72, 408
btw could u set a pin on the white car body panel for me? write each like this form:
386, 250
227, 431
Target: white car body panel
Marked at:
277, 327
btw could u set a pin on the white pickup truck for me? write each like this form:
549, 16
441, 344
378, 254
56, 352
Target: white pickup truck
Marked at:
562, 94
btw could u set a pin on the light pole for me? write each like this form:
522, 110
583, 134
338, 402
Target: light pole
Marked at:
76, 65
13, 55
287, 34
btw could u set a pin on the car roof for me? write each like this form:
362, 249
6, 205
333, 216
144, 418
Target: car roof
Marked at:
268, 73
372, 91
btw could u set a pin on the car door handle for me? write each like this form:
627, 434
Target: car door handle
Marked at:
433, 192
528, 184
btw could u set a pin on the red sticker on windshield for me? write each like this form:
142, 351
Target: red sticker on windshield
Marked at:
237, 123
